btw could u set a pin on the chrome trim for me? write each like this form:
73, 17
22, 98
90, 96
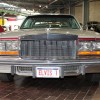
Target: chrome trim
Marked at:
19, 61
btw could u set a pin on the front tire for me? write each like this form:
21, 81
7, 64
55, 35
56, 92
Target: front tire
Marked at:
6, 77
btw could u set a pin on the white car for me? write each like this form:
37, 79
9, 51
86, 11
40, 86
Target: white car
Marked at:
49, 46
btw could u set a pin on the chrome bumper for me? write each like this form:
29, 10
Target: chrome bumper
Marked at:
19, 61
26, 67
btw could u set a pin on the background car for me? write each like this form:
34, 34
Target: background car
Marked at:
5, 28
94, 26
1, 29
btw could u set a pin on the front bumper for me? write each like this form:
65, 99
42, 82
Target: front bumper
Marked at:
26, 67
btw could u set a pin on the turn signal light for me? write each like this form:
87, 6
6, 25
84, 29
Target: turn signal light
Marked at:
9, 53
88, 53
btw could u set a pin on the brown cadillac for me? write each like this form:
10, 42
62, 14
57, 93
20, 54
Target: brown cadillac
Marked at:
49, 46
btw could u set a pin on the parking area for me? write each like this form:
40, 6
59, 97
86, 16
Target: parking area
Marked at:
52, 41
68, 88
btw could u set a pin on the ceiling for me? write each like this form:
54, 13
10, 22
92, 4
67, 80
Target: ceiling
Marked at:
42, 5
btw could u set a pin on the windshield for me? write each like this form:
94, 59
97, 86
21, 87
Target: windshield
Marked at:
51, 21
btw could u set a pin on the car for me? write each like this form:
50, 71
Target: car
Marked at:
94, 26
49, 46
1, 29
4, 27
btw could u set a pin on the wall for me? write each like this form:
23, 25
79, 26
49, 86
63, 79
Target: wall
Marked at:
94, 11
78, 13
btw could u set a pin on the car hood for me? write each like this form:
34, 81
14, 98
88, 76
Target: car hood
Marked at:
22, 32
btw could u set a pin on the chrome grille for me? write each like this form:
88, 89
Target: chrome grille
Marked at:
23, 69
71, 70
48, 49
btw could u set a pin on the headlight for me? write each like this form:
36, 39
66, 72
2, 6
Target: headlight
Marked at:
89, 46
9, 45
12, 45
84, 46
96, 45
2, 45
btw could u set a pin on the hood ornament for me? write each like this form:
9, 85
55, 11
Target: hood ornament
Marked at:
47, 30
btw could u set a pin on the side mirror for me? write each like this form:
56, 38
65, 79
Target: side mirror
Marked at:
85, 27
92, 29
81, 24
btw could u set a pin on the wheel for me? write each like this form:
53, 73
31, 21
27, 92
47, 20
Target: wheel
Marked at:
6, 77
94, 77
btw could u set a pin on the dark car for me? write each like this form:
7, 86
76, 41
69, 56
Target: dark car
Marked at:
94, 25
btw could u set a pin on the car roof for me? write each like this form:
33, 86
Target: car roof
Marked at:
51, 15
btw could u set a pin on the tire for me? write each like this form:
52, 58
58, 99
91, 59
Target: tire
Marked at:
6, 77
93, 77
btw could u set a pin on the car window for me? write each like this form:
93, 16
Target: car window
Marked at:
50, 22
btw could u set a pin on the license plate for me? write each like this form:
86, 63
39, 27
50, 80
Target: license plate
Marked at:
48, 72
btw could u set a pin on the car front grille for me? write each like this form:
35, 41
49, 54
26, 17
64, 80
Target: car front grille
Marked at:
48, 49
